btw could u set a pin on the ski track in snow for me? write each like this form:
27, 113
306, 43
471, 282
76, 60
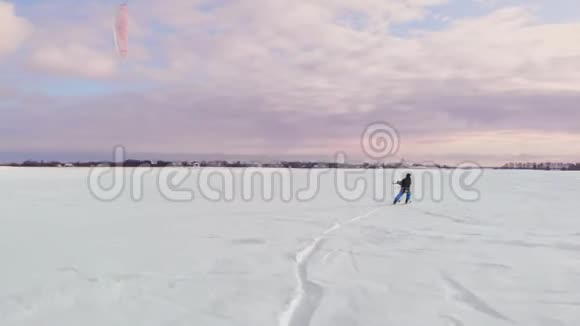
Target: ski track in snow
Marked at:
308, 293
469, 298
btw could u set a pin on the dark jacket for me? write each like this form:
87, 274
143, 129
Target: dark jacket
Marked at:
405, 183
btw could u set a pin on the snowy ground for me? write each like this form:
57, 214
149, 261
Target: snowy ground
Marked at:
510, 258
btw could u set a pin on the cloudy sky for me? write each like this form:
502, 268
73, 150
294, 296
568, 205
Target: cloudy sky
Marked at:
484, 80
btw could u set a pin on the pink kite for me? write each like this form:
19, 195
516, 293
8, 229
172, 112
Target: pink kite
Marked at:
122, 31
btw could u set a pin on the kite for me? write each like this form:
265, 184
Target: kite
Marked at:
121, 32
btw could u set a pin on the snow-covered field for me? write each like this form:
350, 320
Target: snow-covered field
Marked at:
510, 258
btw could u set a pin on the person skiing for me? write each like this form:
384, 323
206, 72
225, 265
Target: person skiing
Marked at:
405, 189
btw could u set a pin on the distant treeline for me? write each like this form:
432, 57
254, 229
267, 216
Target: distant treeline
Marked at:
232, 164
543, 166
127, 163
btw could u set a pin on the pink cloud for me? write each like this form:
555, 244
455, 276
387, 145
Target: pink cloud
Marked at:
14, 30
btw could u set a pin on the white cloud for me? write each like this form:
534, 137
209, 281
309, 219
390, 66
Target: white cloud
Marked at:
72, 41
292, 49
75, 60
14, 30
506, 50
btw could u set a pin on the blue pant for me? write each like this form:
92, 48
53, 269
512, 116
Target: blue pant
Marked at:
400, 195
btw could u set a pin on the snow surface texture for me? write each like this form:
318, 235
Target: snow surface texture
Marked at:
511, 258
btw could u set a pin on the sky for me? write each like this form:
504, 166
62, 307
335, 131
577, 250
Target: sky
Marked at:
488, 81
